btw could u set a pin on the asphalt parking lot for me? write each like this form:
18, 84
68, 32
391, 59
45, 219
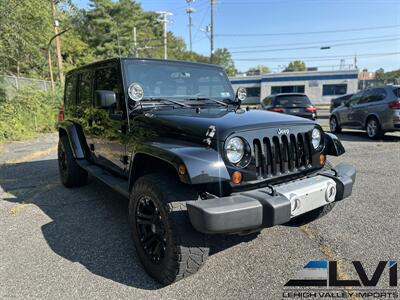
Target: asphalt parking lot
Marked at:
75, 243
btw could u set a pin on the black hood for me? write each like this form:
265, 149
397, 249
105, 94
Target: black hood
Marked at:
195, 124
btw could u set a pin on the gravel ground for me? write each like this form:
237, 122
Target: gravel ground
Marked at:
58, 243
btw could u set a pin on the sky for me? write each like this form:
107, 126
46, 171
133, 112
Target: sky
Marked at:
274, 32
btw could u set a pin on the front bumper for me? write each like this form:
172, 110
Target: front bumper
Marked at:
260, 208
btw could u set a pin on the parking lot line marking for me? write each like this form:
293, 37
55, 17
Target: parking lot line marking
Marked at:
33, 155
342, 272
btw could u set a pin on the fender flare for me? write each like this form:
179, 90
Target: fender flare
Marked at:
76, 137
333, 146
203, 164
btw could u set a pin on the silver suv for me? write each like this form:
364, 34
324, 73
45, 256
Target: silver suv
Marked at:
376, 110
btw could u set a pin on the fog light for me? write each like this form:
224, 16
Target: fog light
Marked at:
330, 193
322, 159
236, 177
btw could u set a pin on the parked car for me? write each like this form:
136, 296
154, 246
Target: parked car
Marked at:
296, 104
336, 102
171, 137
376, 110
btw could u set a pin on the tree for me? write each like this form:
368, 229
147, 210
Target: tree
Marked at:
296, 65
25, 28
260, 69
223, 58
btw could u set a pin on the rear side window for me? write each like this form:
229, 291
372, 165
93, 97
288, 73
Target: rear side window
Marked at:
292, 101
85, 88
70, 90
376, 95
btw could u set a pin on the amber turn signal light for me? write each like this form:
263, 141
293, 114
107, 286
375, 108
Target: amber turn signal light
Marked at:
182, 169
236, 177
322, 159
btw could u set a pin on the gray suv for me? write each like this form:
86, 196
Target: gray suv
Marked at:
376, 110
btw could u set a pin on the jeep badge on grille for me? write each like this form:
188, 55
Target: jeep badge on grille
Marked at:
283, 131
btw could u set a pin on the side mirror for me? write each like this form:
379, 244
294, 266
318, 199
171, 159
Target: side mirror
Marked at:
105, 99
241, 94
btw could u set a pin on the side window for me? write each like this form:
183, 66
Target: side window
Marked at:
108, 79
377, 95
85, 88
70, 90
355, 99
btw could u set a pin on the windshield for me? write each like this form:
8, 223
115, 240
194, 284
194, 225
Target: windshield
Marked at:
178, 80
292, 101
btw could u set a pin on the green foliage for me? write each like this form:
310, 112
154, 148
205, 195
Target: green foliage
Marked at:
223, 58
388, 77
260, 69
296, 65
29, 112
25, 28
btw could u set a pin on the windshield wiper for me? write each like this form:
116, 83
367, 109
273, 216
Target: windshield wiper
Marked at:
208, 99
168, 100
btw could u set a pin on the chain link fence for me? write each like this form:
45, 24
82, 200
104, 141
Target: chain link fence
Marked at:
18, 82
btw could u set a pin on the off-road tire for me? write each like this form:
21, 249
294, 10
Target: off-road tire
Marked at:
71, 174
377, 133
186, 250
337, 128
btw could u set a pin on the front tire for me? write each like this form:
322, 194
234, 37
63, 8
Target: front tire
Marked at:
71, 174
167, 244
334, 125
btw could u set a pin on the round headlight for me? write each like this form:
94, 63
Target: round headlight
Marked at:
234, 150
316, 138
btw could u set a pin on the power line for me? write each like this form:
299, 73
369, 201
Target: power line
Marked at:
311, 43
317, 58
306, 32
316, 47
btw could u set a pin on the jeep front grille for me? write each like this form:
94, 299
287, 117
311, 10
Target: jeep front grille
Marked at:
283, 154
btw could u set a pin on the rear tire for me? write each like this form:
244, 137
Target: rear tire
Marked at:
71, 174
166, 243
334, 125
373, 128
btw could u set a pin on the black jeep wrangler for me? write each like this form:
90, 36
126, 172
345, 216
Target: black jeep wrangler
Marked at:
171, 136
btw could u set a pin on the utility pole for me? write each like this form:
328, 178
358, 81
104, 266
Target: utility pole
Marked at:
355, 62
212, 31
56, 24
189, 11
135, 48
164, 20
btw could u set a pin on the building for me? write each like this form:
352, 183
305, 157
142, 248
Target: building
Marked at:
319, 86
